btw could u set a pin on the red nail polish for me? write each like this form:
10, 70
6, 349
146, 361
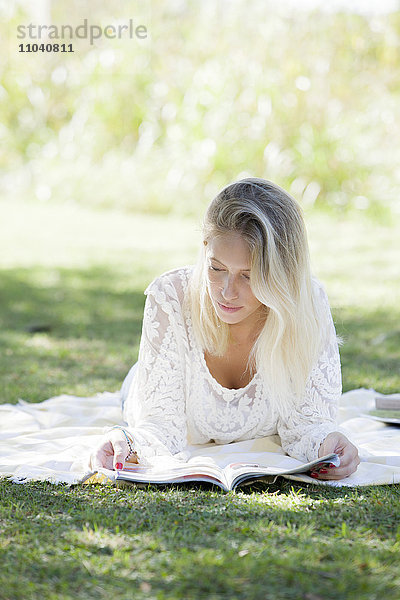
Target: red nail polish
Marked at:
315, 475
331, 466
323, 470
119, 466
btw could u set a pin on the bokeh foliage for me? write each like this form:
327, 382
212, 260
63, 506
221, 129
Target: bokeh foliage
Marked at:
219, 90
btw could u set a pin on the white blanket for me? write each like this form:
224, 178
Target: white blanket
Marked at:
52, 440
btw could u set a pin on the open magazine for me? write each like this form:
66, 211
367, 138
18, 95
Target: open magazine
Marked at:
206, 468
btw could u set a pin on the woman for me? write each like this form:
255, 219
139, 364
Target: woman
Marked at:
240, 346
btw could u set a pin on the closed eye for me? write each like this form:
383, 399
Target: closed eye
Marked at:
215, 268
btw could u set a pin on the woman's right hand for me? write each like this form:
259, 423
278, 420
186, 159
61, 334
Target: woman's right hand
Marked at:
111, 452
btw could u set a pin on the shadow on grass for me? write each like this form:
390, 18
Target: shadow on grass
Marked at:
370, 354
193, 542
74, 303
87, 323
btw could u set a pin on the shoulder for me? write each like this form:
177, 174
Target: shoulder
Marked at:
319, 291
171, 285
321, 304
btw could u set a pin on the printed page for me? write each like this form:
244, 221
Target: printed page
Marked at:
278, 465
169, 470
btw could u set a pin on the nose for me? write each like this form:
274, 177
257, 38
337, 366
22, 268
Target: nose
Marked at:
229, 291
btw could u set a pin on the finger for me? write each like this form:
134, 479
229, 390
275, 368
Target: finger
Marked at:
121, 451
349, 456
336, 472
98, 460
334, 442
347, 453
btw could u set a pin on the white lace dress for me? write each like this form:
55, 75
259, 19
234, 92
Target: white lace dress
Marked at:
173, 400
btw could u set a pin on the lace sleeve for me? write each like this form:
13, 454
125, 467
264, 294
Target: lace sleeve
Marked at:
310, 420
155, 406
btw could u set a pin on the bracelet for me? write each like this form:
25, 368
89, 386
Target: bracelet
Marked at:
129, 441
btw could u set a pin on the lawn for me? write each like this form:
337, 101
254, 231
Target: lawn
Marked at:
72, 282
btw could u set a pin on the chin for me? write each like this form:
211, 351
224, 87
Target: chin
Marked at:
229, 320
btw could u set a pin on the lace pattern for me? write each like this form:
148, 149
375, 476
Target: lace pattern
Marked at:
174, 400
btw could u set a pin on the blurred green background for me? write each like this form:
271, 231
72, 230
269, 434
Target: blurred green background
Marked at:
305, 93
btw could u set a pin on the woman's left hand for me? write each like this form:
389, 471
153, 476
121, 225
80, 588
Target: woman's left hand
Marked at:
348, 453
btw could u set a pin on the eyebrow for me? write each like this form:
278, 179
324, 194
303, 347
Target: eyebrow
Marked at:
218, 261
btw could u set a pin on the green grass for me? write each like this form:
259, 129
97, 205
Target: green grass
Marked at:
82, 274
286, 542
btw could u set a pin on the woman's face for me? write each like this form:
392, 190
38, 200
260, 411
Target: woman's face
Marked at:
228, 279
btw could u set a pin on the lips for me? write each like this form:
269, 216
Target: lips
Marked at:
229, 308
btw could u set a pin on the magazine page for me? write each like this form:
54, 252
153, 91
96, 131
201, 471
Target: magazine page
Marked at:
224, 468
173, 471
278, 464
163, 469
143, 474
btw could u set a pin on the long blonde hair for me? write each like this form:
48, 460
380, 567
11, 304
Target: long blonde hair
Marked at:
271, 223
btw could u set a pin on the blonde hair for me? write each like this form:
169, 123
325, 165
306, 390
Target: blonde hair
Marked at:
271, 223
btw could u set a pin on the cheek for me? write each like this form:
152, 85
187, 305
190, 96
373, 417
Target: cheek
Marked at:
215, 280
212, 286
214, 290
251, 299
